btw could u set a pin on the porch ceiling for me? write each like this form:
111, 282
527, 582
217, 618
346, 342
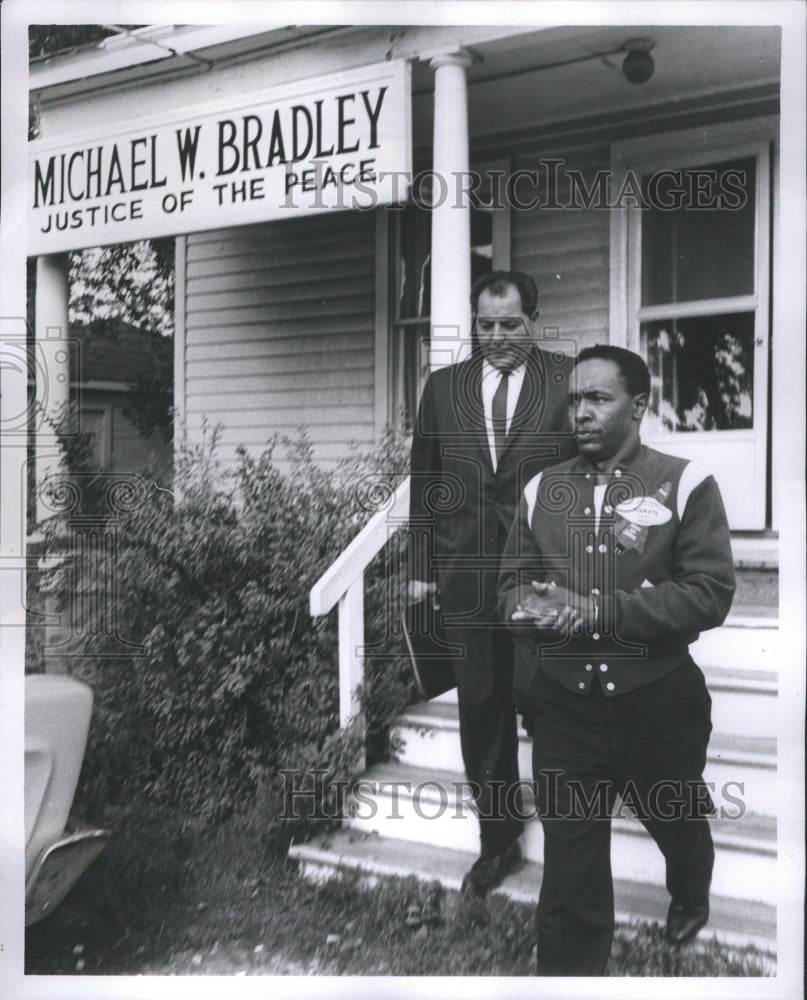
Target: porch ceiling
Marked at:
507, 90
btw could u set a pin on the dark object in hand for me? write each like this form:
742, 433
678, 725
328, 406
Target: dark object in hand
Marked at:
430, 653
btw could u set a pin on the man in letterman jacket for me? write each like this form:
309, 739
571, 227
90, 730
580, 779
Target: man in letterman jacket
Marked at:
616, 560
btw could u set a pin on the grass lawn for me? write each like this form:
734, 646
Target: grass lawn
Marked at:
166, 898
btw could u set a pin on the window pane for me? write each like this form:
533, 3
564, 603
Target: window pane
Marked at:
414, 263
481, 242
692, 253
701, 372
411, 360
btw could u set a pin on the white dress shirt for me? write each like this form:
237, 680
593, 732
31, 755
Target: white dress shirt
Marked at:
490, 382
599, 496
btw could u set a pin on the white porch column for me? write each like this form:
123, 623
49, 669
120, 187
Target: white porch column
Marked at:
451, 221
51, 364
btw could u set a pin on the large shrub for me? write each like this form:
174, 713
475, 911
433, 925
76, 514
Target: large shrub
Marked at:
231, 680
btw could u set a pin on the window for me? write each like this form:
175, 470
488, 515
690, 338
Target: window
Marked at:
690, 274
702, 359
96, 426
410, 295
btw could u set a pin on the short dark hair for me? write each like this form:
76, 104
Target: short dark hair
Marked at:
498, 282
632, 367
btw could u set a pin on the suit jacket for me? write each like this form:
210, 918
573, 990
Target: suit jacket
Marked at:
460, 509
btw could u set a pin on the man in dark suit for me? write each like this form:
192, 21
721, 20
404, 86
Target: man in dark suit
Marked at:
484, 428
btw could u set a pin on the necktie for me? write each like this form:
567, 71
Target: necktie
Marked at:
498, 412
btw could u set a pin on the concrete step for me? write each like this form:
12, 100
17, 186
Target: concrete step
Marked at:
744, 642
757, 593
429, 806
744, 697
744, 701
744, 767
756, 552
736, 922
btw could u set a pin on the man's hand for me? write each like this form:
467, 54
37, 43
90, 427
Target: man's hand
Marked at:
538, 607
419, 590
552, 607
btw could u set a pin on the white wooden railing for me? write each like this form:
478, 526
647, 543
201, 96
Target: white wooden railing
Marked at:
343, 582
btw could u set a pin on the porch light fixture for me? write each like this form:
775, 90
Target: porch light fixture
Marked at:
638, 65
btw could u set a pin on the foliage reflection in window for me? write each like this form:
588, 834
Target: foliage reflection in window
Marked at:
702, 372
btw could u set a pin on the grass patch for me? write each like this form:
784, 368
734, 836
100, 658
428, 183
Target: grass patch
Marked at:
171, 897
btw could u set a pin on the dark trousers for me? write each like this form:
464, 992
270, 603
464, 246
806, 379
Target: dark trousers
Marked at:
649, 747
488, 731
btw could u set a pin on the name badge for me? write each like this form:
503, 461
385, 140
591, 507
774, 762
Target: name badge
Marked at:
644, 511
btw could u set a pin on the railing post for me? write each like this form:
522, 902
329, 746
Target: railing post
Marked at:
351, 657
343, 584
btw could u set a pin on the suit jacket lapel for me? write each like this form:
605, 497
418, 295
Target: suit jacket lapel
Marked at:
468, 397
532, 400
479, 412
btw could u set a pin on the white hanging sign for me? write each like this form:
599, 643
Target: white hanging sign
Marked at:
329, 143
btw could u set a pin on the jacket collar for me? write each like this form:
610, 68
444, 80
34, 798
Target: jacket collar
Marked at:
621, 463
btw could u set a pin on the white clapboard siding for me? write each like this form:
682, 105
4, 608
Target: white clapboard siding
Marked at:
279, 333
228, 332
254, 348
566, 250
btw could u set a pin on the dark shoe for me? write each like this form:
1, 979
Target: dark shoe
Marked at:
487, 873
684, 922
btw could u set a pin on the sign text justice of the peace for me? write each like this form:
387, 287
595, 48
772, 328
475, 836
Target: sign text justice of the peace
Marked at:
343, 128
